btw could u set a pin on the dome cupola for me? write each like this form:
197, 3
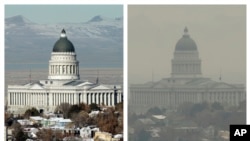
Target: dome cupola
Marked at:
186, 43
186, 62
63, 44
63, 64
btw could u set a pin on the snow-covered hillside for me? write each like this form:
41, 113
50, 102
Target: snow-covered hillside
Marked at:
98, 42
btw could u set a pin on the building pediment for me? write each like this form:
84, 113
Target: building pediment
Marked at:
36, 87
222, 85
85, 83
100, 87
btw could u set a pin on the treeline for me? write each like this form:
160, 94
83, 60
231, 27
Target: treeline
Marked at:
202, 115
109, 119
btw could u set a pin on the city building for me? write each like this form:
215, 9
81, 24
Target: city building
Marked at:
186, 84
62, 86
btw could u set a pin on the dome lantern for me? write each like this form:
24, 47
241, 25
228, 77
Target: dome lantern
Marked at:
186, 43
63, 44
186, 32
63, 33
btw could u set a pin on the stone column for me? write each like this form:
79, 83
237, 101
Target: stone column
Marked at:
118, 97
75, 98
44, 99
113, 99
39, 99
73, 69
84, 96
9, 98
25, 98
15, 98
34, 99
70, 69
89, 101
19, 98
52, 69
56, 99
104, 98
97, 98
92, 98
51, 99
67, 97
63, 98
100, 98
71, 99
30, 98
67, 69
107, 99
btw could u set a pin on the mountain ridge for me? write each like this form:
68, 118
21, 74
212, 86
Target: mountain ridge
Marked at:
100, 42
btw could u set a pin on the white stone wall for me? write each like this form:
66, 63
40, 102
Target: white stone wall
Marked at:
22, 98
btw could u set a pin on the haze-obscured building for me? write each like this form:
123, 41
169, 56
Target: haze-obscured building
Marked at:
186, 84
63, 85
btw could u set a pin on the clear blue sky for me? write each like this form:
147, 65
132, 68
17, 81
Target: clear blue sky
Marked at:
63, 13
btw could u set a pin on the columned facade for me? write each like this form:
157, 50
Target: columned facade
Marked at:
186, 84
63, 66
62, 86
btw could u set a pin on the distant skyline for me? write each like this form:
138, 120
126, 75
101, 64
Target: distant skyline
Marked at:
218, 30
46, 14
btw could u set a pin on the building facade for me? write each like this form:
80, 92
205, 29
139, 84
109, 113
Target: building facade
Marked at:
62, 86
186, 84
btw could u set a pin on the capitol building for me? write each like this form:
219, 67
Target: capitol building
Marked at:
62, 86
186, 84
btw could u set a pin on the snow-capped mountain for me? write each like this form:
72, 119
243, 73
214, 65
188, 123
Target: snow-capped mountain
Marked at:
17, 20
98, 42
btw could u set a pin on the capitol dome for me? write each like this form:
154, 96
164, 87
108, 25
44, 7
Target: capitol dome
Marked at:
186, 43
63, 44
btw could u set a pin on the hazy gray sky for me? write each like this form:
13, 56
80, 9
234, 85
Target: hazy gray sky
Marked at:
219, 32
63, 13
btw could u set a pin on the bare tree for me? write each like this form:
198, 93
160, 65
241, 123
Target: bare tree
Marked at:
81, 119
64, 109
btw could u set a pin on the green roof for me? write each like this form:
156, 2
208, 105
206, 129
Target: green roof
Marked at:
63, 44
